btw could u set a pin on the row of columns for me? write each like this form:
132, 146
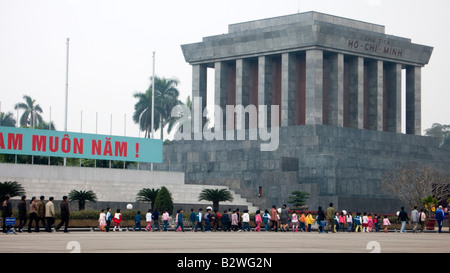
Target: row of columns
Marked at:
318, 87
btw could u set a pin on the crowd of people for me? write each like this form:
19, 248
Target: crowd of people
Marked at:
42, 214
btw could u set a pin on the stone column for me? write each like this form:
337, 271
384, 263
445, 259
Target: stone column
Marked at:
243, 72
336, 90
199, 87
288, 78
221, 90
356, 92
394, 97
264, 88
314, 87
413, 100
375, 85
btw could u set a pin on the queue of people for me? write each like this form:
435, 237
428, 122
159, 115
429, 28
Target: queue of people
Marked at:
41, 213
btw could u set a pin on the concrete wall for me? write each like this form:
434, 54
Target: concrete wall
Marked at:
114, 187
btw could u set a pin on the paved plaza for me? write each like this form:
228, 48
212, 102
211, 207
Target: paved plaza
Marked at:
221, 242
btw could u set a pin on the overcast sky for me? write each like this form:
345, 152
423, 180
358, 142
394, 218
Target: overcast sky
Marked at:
111, 45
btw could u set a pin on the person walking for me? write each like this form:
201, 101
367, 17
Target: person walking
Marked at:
440, 217
284, 217
192, 219
321, 220
148, 219
6, 212
245, 221
403, 217
342, 220
365, 222
330, 218
302, 222
33, 215
180, 221
422, 219
50, 214
234, 221
22, 208
349, 221
117, 220
386, 223
225, 220
266, 220
357, 220
65, 214
108, 218
165, 218
137, 221
258, 221
207, 219
199, 220
309, 220
41, 212
102, 220
294, 220
155, 220
415, 219
274, 218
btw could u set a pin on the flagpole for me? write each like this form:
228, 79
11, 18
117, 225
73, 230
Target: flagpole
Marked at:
67, 90
153, 100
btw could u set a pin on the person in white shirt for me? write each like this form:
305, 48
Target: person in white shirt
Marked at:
148, 218
245, 221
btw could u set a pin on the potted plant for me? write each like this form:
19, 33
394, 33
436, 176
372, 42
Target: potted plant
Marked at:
430, 203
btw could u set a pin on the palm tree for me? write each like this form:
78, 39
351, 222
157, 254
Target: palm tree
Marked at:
147, 195
216, 196
82, 197
7, 120
32, 111
166, 97
12, 188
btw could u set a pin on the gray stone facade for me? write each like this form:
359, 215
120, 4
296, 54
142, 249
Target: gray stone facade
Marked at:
337, 83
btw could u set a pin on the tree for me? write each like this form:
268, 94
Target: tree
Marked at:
215, 196
148, 195
411, 182
13, 188
165, 98
32, 111
163, 200
7, 120
82, 197
440, 131
298, 199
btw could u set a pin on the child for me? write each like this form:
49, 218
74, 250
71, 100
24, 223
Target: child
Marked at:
117, 220
370, 224
102, 220
376, 221
349, 221
365, 222
294, 220
180, 221
245, 220
336, 222
137, 221
357, 221
165, 218
258, 221
309, 220
234, 221
342, 221
266, 220
386, 223
302, 222
148, 218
